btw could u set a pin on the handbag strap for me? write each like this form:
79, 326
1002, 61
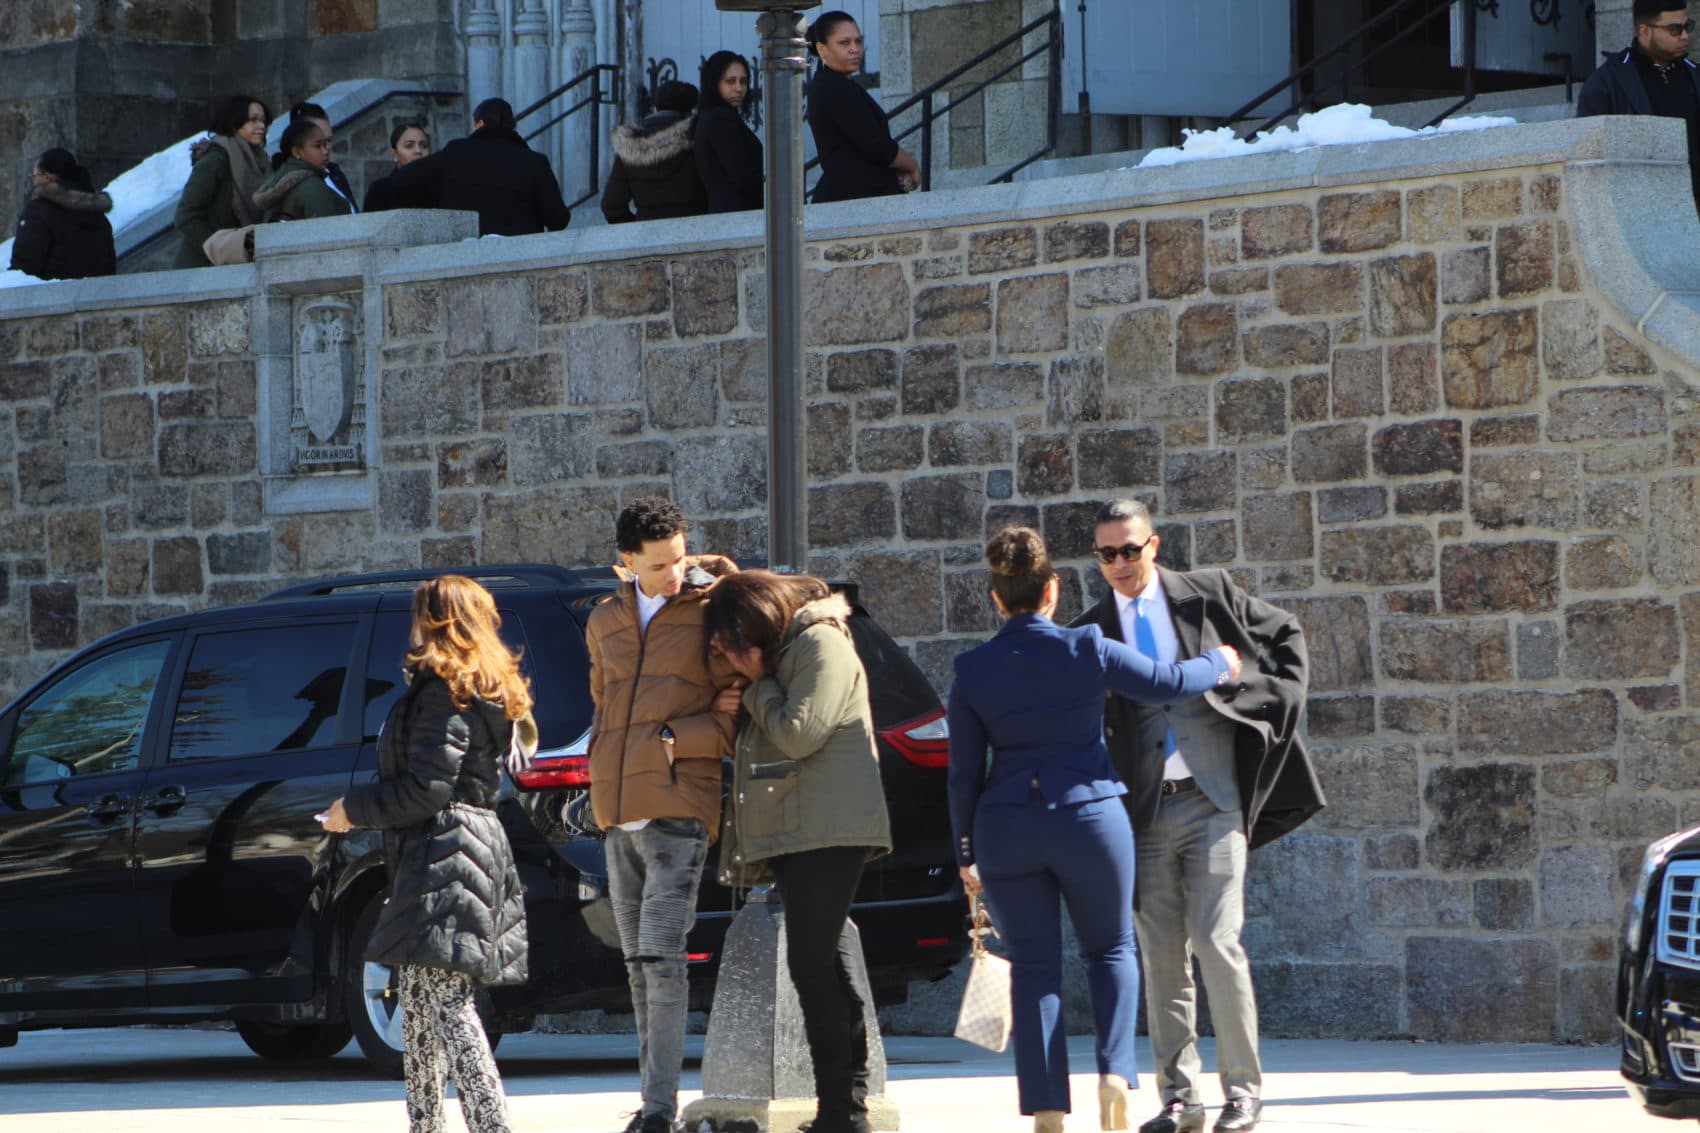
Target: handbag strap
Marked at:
979, 926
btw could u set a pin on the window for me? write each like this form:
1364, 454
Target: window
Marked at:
253, 691
384, 681
90, 721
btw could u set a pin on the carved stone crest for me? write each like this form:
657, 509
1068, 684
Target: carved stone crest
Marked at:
328, 424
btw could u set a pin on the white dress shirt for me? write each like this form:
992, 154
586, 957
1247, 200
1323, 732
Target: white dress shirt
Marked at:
1153, 605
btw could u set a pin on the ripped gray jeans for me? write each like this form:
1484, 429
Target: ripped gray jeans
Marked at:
653, 875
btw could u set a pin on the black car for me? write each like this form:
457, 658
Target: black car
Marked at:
1658, 979
159, 859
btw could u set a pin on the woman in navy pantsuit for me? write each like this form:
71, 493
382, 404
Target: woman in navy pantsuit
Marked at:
1045, 820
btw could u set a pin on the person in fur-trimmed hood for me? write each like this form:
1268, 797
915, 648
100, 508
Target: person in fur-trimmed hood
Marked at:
807, 808
654, 166
299, 190
63, 232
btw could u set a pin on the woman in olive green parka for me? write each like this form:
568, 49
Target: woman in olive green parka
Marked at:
807, 808
225, 170
300, 189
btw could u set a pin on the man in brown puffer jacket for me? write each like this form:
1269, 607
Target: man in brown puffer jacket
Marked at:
666, 715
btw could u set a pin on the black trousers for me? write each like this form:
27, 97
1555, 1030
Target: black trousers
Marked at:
815, 888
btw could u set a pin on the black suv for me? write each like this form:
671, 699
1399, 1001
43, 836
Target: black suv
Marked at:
159, 859
1658, 979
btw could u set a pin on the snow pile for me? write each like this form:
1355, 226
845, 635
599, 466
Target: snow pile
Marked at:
135, 192
1337, 125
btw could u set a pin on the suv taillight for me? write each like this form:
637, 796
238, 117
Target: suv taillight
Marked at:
558, 768
923, 741
552, 774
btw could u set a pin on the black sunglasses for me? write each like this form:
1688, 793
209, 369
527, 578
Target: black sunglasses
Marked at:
1684, 28
1131, 551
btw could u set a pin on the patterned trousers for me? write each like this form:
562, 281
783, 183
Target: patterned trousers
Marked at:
442, 1038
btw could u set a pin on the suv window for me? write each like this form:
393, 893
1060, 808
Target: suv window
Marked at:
389, 644
250, 691
90, 721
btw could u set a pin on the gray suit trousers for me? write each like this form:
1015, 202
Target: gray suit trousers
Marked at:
1191, 879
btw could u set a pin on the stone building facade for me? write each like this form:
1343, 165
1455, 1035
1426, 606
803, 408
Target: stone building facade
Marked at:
1435, 396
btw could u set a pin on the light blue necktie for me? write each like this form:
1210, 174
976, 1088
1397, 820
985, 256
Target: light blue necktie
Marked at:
1145, 640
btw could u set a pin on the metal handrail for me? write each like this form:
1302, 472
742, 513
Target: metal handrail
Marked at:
596, 97
924, 97
1302, 101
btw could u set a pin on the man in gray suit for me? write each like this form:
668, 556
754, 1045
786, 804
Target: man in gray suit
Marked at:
1207, 780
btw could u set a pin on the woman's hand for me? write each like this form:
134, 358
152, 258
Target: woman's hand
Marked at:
1233, 658
335, 820
971, 883
731, 697
908, 169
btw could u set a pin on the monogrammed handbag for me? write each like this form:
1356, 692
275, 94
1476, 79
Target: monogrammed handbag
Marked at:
985, 1016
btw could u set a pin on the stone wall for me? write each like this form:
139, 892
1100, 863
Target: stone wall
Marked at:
1434, 396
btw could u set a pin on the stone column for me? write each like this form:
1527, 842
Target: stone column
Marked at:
632, 60
483, 53
1614, 26
578, 55
530, 80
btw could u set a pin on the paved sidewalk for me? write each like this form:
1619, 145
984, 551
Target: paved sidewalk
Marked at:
186, 1081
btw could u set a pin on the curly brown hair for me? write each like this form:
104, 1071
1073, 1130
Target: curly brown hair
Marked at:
454, 635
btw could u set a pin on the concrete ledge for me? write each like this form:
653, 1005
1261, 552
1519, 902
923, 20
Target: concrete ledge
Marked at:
143, 289
1549, 143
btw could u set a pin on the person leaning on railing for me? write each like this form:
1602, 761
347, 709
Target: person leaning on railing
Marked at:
858, 157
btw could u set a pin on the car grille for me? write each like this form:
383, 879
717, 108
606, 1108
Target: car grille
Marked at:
1679, 915
1685, 1060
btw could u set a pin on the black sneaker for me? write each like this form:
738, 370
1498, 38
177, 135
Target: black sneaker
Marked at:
650, 1123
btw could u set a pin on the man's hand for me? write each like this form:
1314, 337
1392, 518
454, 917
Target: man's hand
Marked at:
718, 565
731, 698
971, 883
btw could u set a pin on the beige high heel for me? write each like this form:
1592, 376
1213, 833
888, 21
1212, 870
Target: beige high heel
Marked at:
1048, 1121
1112, 1102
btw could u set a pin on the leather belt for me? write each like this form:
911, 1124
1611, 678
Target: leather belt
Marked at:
1176, 786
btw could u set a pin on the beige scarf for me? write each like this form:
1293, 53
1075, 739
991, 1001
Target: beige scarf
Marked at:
249, 171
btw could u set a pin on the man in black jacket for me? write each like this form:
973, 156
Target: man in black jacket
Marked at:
1207, 780
492, 173
1653, 75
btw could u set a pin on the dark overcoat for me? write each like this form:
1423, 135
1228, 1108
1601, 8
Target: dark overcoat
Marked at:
1279, 789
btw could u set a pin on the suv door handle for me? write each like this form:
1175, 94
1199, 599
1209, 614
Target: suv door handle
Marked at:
167, 800
107, 808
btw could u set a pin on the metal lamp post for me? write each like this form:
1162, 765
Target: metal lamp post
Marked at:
783, 59
756, 1072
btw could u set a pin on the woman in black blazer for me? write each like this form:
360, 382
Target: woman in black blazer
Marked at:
728, 153
858, 157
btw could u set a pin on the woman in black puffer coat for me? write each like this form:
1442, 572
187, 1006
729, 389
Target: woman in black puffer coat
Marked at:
654, 168
455, 918
63, 232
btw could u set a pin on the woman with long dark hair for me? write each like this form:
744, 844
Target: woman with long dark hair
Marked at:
858, 157
63, 232
227, 169
807, 810
1043, 824
455, 917
728, 153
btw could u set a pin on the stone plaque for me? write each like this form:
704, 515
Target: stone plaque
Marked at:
328, 419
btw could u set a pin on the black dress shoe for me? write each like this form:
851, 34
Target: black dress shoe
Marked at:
1239, 1115
1176, 1117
